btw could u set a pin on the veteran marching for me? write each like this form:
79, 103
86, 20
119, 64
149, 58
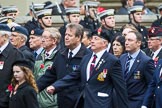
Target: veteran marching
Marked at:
85, 63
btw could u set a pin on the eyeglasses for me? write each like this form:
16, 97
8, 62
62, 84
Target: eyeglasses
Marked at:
152, 39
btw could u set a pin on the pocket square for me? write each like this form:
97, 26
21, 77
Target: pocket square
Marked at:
102, 94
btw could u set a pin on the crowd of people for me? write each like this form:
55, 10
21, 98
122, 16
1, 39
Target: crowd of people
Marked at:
86, 63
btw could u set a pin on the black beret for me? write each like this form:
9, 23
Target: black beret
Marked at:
4, 27
20, 29
23, 62
37, 32
103, 33
155, 32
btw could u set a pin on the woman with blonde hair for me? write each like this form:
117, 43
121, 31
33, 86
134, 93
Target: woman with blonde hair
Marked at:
23, 92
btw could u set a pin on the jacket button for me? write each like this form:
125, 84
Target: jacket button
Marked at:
158, 87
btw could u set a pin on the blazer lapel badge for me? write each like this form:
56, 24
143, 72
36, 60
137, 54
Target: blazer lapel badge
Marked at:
156, 61
99, 64
102, 75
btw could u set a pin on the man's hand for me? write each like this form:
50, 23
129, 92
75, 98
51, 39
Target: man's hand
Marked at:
50, 89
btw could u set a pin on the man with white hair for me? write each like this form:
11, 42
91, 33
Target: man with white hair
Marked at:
50, 40
18, 38
8, 55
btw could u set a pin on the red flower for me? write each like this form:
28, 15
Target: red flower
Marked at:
156, 61
42, 66
100, 9
99, 31
9, 88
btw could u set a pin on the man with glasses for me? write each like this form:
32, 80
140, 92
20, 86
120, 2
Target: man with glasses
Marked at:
154, 43
50, 40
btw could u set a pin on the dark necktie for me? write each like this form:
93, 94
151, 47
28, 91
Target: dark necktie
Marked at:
46, 54
35, 54
152, 54
127, 66
70, 54
92, 64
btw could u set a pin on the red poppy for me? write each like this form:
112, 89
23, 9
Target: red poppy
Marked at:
156, 61
10, 88
42, 66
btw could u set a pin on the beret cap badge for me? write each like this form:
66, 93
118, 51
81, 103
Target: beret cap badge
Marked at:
13, 28
99, 31
32, 32
152, 30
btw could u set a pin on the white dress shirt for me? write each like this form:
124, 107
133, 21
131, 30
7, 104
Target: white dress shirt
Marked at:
99, 55
74, 51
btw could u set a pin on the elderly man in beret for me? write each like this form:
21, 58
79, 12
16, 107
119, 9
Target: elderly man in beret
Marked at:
18, 38
99, 73
154, 49
35, 42
8, 55
153, 97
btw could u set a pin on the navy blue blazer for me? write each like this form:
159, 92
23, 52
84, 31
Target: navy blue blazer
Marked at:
154, 90
138, 78
60, 68
97, 91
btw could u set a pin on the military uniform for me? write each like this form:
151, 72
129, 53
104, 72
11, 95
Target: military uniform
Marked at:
56, 12
158, 22
89, 22
141, 29
33, 24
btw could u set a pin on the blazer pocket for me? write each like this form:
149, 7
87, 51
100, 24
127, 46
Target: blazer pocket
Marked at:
100, 94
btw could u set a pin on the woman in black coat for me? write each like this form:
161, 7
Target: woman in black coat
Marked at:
24, 91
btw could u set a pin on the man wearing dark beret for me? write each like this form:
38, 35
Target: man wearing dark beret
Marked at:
99, 73
154, 43
35, 42
18, 38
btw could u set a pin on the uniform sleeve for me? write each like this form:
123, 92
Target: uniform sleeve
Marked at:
69, 80
149, 96
119, 84
150, 68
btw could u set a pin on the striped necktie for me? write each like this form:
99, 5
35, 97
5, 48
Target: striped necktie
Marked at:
127, 66
92, 64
